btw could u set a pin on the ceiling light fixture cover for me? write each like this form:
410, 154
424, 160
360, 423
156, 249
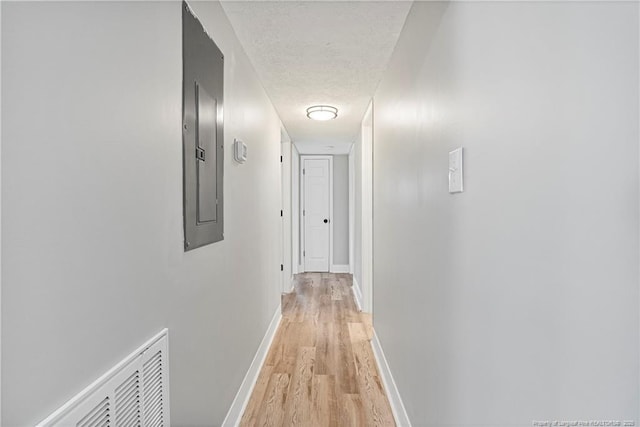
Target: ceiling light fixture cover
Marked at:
322, 112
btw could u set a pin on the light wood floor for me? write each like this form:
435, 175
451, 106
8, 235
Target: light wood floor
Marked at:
320, 370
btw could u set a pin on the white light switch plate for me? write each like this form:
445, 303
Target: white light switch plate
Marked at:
455, 171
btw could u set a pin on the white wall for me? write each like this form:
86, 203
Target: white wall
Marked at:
341, 210
92, 236
516, 300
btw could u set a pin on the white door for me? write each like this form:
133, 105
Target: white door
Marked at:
316, 213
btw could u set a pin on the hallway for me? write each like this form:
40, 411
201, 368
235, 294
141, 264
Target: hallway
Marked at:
320, 369
170, 168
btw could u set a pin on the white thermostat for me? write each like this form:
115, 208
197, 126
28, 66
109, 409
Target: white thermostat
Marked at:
239, 151
455, 171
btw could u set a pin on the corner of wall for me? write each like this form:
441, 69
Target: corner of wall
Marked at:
248, 383
395, 400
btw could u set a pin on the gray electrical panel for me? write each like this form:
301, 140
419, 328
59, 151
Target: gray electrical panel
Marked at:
202, 134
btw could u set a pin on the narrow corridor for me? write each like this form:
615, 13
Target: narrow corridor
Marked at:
320, 370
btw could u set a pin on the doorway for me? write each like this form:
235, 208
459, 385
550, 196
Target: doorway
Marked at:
317, 209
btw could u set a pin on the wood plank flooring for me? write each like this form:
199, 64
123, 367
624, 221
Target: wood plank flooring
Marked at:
320, 369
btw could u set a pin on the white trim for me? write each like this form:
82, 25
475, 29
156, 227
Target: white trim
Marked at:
80, 397
397, 407
295, 211
367, 209
281, 227
286, 206
330, 212
0, 234
246, 388
302, 204
340, 268
300, 213
352, 208
357, 293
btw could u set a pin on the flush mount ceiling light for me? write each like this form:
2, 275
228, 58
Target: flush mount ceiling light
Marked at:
322, 112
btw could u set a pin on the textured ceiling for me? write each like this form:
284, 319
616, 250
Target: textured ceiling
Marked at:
319, 52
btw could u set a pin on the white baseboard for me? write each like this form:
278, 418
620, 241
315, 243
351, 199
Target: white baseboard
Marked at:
339, 268
357, 293
246, 388
397, 407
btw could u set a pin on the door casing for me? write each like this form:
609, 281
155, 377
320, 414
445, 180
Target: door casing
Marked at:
303, 202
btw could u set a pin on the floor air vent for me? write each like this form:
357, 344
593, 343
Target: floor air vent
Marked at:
134, 393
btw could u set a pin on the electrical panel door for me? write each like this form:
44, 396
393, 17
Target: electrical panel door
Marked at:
202, 134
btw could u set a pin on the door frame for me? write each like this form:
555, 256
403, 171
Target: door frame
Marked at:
286, 215
367, 141
303, 202
296, 232
352, 208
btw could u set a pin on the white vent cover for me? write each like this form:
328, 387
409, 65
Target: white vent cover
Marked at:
134, 393
153, 402
98, 416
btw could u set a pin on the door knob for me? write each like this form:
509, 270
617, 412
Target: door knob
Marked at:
326, 221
